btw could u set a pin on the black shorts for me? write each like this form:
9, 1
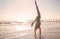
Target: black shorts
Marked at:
38, 24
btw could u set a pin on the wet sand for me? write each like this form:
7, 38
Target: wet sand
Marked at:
50, 30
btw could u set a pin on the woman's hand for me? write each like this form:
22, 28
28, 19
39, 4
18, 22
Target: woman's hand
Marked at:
32, 24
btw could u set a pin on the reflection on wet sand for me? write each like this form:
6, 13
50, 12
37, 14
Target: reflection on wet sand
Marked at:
50, 30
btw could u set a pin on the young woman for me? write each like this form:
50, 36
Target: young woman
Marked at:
38, 22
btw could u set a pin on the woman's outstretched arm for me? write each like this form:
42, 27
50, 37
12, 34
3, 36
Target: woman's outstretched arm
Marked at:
33, 22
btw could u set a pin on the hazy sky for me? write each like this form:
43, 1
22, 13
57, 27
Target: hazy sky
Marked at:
20, 10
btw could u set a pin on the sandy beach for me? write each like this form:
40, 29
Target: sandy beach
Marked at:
50, 30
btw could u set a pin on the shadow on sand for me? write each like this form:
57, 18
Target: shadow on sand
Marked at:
42, 37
